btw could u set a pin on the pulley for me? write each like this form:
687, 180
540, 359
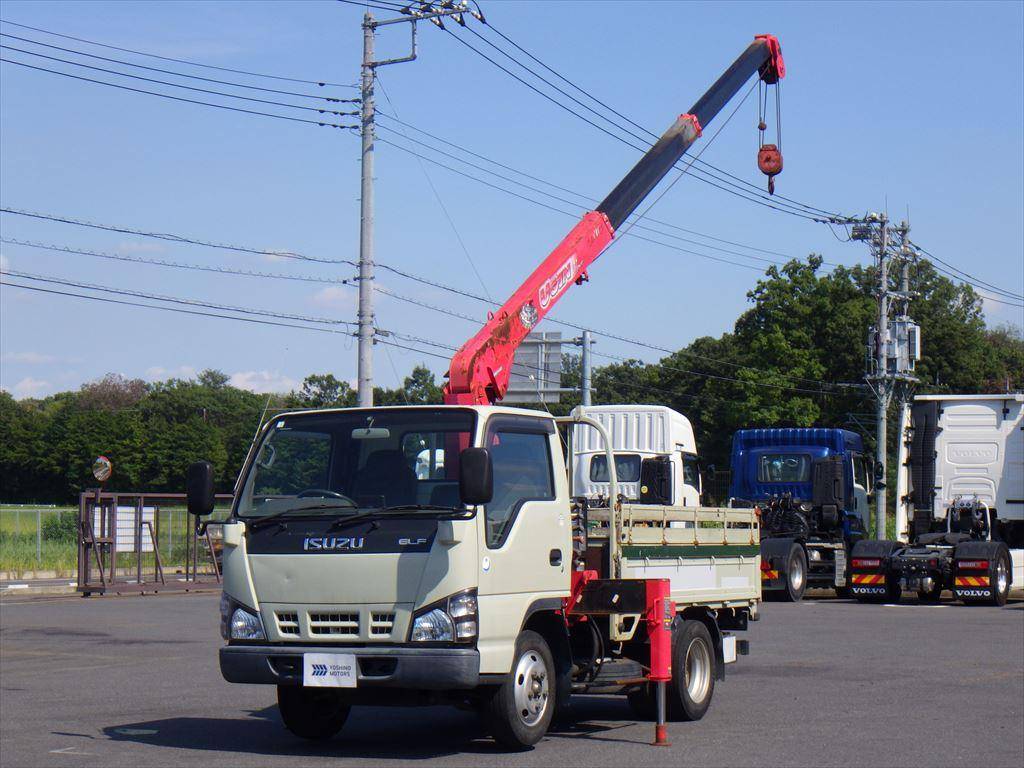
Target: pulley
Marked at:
769, 161
769, 156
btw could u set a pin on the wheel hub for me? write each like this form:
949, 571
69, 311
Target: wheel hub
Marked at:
531, 687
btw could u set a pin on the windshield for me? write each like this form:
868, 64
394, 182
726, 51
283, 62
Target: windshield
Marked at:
627, 468
350, 461
784, 468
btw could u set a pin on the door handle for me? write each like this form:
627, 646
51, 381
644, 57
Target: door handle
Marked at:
555, 557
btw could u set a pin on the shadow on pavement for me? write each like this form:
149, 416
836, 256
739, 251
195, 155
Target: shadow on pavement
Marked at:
377, 732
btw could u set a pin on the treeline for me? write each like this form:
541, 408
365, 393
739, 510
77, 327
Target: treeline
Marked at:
795, 358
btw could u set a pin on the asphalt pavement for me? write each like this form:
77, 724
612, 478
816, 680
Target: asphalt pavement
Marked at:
126, 681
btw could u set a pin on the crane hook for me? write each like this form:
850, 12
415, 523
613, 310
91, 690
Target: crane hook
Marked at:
769, 161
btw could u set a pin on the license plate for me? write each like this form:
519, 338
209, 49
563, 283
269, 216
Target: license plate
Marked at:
329, 670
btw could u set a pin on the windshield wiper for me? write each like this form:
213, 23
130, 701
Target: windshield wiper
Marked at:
394, 511
257, 524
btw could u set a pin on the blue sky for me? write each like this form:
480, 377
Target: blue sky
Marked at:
917, 106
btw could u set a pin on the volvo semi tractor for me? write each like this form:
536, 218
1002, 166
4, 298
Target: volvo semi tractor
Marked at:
960, 504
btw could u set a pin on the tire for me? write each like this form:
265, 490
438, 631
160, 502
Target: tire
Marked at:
693, 671
796, 575
312, 713
1000, 569
520, 710
1000, 572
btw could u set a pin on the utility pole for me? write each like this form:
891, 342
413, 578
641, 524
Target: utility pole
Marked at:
364, 315
587, 342
883, 388
894, 345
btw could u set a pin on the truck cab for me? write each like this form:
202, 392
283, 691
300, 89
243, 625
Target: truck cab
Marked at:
639, 433
812, 486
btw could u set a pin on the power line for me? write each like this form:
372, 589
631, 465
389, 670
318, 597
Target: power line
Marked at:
175, 238
179, 85
440, 202
967, 277
178, 61
637, 125
698, 173
588, 203
568, 213
392, 269
179, 98
172, 72
581, 207
177, 264
171, 299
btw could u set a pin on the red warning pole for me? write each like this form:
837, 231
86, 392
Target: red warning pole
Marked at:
660, 613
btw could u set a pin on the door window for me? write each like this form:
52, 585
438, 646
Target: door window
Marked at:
691, 470
522, 472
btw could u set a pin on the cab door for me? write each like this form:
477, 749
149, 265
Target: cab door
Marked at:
525, 533
861, 488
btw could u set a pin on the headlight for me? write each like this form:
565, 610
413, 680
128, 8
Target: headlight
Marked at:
434, 626
453, 619
814, 554
238, 622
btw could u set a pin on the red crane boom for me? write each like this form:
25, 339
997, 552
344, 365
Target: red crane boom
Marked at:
479, 372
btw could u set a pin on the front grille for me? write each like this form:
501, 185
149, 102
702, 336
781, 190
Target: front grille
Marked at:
381, 623
334, 624
288, 623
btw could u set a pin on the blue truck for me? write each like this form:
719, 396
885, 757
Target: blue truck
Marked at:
811, 485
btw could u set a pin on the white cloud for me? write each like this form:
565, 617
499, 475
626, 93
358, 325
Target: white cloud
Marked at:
334, 296
263, 381
29, 387
159, 373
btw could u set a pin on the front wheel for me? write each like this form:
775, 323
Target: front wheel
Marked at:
519, 712
311, 713
796, 574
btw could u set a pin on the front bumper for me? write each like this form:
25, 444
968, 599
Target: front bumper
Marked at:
425, 669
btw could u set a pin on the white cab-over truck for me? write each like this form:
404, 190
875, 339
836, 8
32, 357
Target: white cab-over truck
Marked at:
653, 433
350, 580
439, 553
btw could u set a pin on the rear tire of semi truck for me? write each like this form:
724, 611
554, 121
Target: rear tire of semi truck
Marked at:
1000, 570
312, 713
519, 712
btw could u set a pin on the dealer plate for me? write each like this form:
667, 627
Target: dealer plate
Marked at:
329, 670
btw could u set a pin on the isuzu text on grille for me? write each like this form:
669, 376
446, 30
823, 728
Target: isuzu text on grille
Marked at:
332, 542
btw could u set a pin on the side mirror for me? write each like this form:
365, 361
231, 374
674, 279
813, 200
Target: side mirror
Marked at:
476, 476
199, 488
